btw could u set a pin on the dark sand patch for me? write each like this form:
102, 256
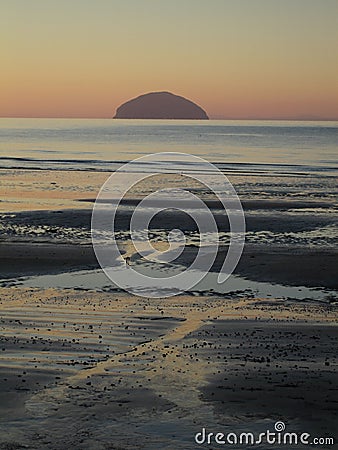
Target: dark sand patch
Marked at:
261, 204
294, 267
280, 371
297, 266
19, 259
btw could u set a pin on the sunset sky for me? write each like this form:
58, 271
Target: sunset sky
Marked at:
235, 58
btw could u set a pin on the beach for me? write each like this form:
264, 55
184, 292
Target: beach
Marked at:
289, 239
169, 225
87, 365
96, 370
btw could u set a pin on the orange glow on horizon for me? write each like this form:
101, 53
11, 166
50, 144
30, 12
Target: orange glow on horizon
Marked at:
238, 59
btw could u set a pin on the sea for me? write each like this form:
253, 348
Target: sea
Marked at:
295, 161
287, 147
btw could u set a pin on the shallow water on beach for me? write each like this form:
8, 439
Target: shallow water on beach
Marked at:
234, 287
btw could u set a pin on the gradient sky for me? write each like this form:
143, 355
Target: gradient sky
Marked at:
236, 58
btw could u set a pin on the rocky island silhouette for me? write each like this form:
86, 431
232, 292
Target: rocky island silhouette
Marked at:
160, 105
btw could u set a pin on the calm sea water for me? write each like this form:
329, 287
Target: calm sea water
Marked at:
282, 146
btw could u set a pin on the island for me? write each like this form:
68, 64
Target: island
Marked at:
160, 105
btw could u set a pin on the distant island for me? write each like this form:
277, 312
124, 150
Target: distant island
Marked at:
160, 105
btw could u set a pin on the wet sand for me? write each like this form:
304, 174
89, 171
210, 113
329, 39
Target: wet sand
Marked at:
98, 371
295, 267
105, 370
31, 190
21, 259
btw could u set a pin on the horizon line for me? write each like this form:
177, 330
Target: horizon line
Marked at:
295, 119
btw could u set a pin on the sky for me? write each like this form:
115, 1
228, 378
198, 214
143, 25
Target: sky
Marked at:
238, 59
